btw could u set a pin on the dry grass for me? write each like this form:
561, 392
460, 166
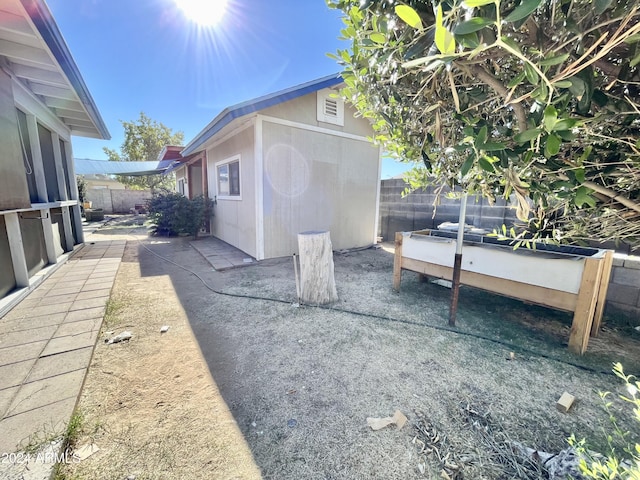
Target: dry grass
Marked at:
150, 404
161, 416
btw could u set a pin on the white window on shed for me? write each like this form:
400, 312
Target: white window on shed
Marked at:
330, 107
228, 178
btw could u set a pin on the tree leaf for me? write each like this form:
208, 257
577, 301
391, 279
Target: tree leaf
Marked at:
526, 8
601, 6
516, 80
554, 60
473, 25
481, 138
550, 118
563, 84
531, 74
583, 196
632, 39
409, 16
486, 164
527, 135
444, 40
511, 43
466, 166
378, 38
566, 135
552, 147
470, 40
477, 3
493, 146
565, 124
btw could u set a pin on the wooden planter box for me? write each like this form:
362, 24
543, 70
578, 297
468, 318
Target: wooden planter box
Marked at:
572, 279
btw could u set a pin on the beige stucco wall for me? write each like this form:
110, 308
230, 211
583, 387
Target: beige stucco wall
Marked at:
304, 110
317, 181
234, 221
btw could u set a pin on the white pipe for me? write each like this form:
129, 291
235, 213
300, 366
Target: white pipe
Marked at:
461, 223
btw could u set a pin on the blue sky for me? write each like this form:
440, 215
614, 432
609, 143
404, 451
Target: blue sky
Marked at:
146, 55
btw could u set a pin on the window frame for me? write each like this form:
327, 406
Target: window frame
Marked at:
181, 185
228, 162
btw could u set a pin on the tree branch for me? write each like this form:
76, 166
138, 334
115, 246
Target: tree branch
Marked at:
501, 90
611, 194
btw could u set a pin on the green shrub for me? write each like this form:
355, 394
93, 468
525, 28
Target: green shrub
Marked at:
615, 465
174, 214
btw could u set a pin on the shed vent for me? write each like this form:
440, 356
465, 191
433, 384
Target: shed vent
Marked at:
330, 108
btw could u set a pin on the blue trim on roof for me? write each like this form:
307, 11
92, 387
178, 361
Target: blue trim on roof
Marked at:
46, 25
229, 114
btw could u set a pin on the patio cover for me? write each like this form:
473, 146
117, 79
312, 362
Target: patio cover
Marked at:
85, 166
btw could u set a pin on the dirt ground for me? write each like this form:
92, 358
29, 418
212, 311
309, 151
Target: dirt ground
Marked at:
247, 384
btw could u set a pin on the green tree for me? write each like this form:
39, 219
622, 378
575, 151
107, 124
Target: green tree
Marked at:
536, 99
144, 139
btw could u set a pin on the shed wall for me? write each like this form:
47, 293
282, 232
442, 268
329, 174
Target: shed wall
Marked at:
234, 221
304, 109
317, 181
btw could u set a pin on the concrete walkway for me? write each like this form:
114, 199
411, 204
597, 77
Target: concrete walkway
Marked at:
221, 255
46, 345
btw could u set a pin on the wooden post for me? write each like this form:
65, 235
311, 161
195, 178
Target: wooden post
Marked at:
455, 289
317, 282
585, 306
457, 262
606, 264
397, 263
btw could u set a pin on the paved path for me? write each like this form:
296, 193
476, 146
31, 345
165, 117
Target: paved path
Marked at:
221, 255
46, 344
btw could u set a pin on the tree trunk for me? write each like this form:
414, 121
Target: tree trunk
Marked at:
317, 282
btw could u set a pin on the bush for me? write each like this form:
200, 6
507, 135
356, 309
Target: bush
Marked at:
612, 466
174, 214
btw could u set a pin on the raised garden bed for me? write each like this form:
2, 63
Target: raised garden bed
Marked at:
572, 279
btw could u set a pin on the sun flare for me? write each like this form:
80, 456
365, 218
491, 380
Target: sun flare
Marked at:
203, 12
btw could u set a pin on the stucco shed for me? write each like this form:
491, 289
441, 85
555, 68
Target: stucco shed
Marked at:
293, 161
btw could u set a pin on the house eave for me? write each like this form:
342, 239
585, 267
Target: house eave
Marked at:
63, 89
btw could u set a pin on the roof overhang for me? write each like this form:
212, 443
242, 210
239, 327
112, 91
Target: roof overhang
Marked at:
34, 53
229, 114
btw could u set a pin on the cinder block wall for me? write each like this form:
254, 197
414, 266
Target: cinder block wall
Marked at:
415, 211
623, 296
124, 200
117, 201
100, 198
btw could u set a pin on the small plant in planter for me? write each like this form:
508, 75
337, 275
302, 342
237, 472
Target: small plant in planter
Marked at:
173, 214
